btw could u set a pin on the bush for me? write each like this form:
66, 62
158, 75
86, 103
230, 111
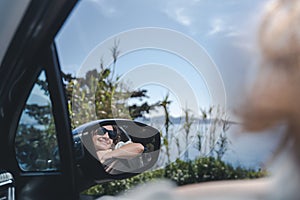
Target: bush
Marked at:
182, 173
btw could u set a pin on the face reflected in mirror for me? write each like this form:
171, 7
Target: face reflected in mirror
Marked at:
101, 139
117, 156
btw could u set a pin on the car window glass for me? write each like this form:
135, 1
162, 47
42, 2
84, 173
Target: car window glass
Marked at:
180, 66
36, 142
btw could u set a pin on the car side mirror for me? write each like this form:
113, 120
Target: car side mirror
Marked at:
115, 148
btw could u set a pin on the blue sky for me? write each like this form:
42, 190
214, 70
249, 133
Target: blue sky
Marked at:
225, 30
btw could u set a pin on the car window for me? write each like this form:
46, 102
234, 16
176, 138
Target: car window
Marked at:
36, 143
180, 66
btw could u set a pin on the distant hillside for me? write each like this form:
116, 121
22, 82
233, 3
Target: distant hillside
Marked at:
176, 120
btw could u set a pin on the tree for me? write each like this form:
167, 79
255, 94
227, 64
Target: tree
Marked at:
36, 143
166, 138
100, 95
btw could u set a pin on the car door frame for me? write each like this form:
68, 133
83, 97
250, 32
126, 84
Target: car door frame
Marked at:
31, 51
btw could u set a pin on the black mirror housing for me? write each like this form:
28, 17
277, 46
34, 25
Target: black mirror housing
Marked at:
87, 157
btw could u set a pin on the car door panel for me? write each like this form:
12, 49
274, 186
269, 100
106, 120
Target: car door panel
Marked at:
29, 53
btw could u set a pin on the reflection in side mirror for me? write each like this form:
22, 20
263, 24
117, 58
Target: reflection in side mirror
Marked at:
115, 148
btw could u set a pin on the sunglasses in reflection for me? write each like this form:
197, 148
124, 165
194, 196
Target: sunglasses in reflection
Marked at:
111, 133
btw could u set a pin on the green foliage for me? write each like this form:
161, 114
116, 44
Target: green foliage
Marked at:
28, 140
96, 95
182, 173
115, 187
100, 95
36, 142
206, 169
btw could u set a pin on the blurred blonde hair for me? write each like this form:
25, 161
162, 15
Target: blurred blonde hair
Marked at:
275, 95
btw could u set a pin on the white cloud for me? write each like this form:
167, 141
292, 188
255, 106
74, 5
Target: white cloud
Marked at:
182, 18
220, 26
179, 15
233, 33
201, 16
217, 26
181, 11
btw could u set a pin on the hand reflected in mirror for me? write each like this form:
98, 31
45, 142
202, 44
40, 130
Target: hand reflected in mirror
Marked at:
115, 148
116, 156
